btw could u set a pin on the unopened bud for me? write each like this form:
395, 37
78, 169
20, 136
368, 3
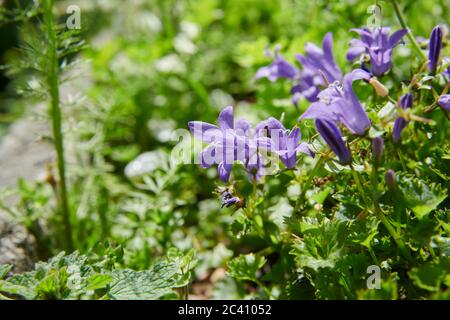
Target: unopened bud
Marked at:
380, 89
390, 180
377, 150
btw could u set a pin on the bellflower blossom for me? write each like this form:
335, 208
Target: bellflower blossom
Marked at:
406, 101
339, 104
284, 143
227, 143
434, 48
378, 45
317, 63
231, 142
280, 68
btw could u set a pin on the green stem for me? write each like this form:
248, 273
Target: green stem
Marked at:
262, 286
53, 87
402, 21
359, 185
301, 198
397, 237
378, 212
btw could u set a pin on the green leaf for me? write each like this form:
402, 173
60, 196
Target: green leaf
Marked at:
246, 266
98, 281
321, 244
420, 197
143, 285
16, 289
428, 276
4, 269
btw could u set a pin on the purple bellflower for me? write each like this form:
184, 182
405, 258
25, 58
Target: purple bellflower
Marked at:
406, 101
317, 64
284, 143
227, 143
339, 104
444, 102
231, 142
279, 68
434, 48
318, 69
333, 137
378, 45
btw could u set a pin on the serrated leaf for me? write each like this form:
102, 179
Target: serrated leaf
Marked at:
428, 277
420, 197
143, 285
246, 266
4, 269
98, 281
320, 246
16, 289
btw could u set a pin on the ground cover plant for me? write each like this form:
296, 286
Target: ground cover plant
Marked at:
235, 149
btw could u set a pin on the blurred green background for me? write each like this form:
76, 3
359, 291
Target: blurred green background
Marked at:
147, 69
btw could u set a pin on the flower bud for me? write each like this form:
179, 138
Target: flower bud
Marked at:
406, 101
377, 150
333, 137
390, 180
435, 48
380, 89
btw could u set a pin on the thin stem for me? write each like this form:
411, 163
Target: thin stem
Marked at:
402, 21
378, 212
402, 161
301, 198
52, 82
393, 233
359, 185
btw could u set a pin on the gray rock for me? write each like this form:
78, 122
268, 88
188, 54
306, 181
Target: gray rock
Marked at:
17, 246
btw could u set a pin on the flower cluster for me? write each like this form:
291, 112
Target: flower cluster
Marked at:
334, 106
229, 143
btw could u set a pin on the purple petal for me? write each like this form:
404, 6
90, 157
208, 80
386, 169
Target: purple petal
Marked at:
279, 68
435, 48
242, 126
333, 137
207, 156
444, 102
399, 125
204, 131
327, 45
304, 148
226, 118
396, 37
406, 101
224, 171
294, 138
354, 52
268, 124
318, 110
265, 72
352, 114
